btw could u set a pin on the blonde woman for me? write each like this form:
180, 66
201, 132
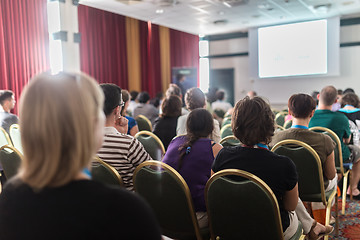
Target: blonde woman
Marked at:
52, 197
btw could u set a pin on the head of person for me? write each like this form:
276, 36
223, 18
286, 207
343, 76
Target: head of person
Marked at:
62, 122
253, 121
350, 99
113, 100
134, 95
180, 77
171, 106
173, 90
195, 98
143, 97
348, 90
126, 100
199, 124
315, 95
220, 95
7, 100
328, 96
301, 106
251, 94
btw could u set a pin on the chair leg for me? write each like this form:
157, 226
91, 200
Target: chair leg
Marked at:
336, 216
345, 178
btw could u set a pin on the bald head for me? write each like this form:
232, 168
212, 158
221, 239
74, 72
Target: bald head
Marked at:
328, 95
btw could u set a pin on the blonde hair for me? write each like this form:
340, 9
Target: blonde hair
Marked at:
58, 117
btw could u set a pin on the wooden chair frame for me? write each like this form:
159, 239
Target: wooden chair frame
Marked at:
346, 175
7, 137
231, 137
160, 166
157, 139
146, 119
326, 202
250, 177
111, 169
12, 148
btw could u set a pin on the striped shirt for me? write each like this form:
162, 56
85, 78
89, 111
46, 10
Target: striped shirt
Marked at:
124, 153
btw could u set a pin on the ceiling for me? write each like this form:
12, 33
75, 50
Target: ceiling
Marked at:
208, 17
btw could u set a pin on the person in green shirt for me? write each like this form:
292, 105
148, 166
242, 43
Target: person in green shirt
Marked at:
339, 124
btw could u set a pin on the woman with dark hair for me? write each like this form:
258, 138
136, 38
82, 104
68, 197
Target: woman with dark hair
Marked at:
192, 156
253, 124
165, 125
132, 124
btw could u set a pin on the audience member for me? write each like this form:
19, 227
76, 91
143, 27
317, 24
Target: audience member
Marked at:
192, 156
165, 125
121, 151
336, 106
301, 108
339, 124
133, 102
314, 95
220, 103
348, 90
175, 90
195, 98
253, 125
132, 125
145, 108
350, 107
52, 197
251, 94
7, 101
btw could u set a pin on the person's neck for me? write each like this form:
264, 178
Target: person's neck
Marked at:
301, 121
6, 109
350, 107
324, 107
110, 122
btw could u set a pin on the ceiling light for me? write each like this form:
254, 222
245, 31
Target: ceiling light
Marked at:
221, 13
347, 3
159, 11
264, 6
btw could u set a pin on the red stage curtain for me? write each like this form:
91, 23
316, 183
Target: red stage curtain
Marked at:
150, 58
184, 50
24, 42
103, 45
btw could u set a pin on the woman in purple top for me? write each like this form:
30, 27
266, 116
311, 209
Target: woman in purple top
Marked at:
192, 156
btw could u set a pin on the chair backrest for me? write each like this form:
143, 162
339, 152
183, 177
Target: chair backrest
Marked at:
170, 198
10, 160
4, 138
337, 151
16, 137
226, 120
280, 118
152, 144
229, 141
226, 131
143, 123
232, 204
308, 165
104, 173
287, 124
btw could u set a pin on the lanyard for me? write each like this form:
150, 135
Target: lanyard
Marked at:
87, 172
299, 126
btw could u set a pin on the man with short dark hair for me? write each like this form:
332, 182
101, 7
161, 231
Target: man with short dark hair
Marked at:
7, 102
339, 124
195, 98
220, 104
301, 108
121, 151
145, 108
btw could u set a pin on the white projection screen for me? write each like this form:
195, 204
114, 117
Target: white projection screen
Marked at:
296, 49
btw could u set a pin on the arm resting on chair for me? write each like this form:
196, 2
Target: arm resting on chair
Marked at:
329, 168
